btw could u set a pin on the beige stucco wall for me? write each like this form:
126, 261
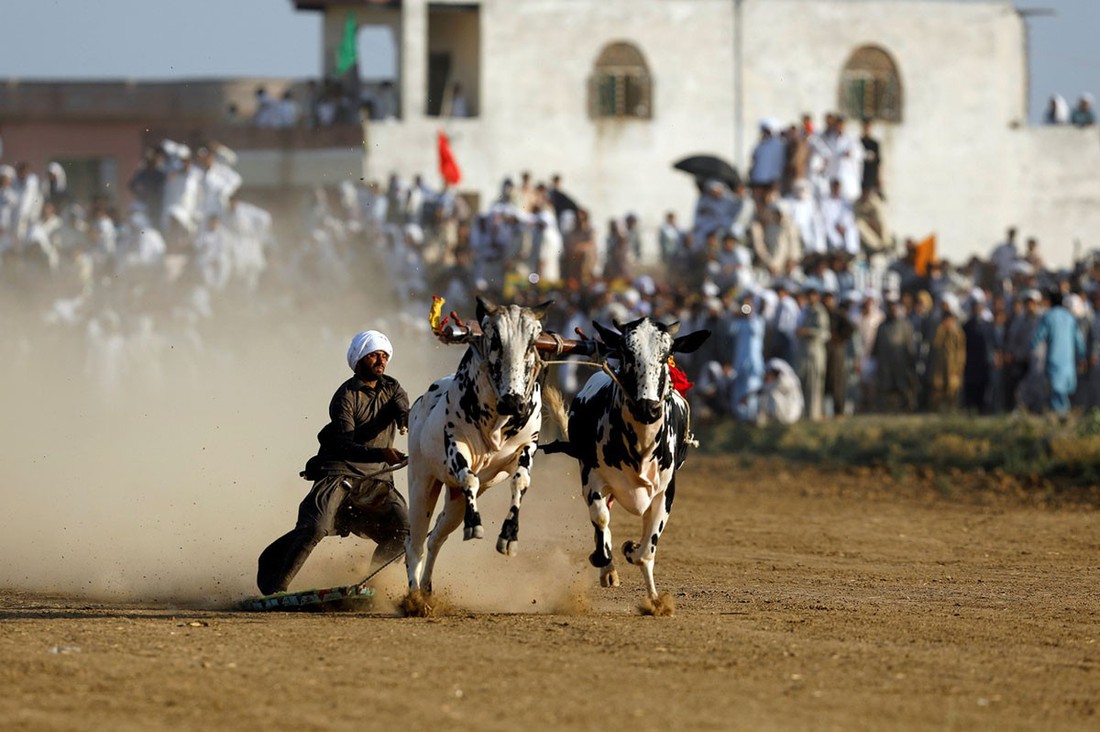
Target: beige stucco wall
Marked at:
1057, 190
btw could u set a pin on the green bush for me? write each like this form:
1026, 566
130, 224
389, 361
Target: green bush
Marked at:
1027, 447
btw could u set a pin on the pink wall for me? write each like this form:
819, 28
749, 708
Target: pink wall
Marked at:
38, 143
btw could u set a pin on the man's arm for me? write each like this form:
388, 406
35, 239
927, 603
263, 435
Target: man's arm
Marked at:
400, 404
338, 437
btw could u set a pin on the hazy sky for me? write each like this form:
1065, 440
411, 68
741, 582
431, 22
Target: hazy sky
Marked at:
143, 39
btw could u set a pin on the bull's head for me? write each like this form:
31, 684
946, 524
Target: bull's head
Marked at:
643, 347
507, 346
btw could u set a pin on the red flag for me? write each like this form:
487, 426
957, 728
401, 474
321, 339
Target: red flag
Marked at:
448, 168
679, 379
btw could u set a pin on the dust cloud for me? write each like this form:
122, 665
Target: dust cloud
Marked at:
159, 475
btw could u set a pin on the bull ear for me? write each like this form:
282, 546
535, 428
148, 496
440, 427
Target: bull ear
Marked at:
611, 339
691, 342
484, 307
541, 310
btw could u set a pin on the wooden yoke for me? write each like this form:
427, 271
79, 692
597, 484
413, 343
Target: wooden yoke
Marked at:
453, 331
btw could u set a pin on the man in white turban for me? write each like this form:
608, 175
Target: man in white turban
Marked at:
349, 496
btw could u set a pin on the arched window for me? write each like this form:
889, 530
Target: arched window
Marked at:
620, 85
870, 86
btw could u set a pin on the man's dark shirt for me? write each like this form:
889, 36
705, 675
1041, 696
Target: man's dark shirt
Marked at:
147, 185
364, 419
871, 163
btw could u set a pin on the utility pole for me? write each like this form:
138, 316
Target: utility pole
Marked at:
738, 87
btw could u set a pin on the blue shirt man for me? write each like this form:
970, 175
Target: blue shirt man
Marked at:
1065, 346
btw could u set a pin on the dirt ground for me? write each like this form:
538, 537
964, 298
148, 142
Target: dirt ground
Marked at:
805, 600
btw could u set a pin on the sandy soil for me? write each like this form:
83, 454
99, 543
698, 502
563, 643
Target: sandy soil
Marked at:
804, 601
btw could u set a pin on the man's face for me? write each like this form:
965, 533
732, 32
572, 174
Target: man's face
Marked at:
374, 363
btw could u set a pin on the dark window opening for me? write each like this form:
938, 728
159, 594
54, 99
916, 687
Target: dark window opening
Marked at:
870, 87
454, 60
620, 86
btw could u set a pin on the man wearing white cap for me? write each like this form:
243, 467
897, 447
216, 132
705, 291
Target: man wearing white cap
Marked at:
365, 414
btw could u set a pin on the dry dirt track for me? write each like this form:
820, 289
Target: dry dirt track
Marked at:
804, 601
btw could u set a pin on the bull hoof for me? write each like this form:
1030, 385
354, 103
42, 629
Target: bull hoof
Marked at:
473, 532
417, 604
609, 579
599, 561
629, 547
506, 547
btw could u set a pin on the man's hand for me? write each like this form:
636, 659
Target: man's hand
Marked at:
391, 456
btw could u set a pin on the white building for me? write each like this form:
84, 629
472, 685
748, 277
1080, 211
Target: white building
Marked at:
610, 93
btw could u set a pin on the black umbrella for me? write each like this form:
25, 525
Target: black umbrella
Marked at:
562, 202
709, 166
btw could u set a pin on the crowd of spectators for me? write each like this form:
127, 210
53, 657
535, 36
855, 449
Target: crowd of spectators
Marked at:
816, 310
1058, 111
333, 102
183, 268
323, 104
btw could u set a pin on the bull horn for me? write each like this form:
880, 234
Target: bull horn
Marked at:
484, 307
541, 310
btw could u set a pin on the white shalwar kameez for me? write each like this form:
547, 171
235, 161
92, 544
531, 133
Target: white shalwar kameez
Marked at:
803, 211
837, 214
250, 227
782, 398
182, 191
218, 184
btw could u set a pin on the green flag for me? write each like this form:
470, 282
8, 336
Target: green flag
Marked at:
348, 51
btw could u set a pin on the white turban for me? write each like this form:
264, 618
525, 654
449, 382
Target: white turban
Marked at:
59, 175
771, 124
366, 342
951, 301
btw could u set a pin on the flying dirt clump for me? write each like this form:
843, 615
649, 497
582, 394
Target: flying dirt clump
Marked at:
418, 604
664, 606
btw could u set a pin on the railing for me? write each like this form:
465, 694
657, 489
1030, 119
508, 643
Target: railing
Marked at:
246, 137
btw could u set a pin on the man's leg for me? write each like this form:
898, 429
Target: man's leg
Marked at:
387, 524
280, 562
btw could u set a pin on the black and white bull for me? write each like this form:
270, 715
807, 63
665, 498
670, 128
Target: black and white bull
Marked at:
629, 432
473, 429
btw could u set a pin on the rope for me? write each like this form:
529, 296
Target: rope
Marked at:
555, 362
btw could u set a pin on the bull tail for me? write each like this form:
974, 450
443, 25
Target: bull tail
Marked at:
553, 408
559, 446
